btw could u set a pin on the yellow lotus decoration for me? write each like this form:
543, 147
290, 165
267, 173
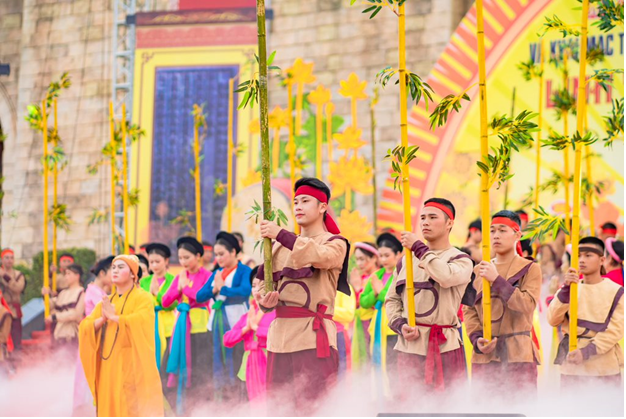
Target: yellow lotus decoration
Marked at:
353, 87
350, 139
320, 96
251, 178
254, 127
354, 226
301, 72
278, 118
350, 174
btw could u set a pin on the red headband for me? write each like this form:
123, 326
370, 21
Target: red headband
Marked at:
207, 247
609, 230
66, 257
523, 217
474, 229
6, 252
506, 222
330, 224
443, 208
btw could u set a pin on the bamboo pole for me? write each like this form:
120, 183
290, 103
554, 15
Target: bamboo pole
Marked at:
588, 153
507, 186
292, 148
55, 200
229, 182
406, 190
484, 180
125, 180
581, 106
538, 144
265, 141
353, 110
196, 173
292, 143
330, 108
374, 186
46, 266
566, 168
319, 135
113, 160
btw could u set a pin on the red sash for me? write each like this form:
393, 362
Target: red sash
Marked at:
433, 356
323, 345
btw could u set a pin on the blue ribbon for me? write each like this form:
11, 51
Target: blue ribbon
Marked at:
177, 362
157, 337
223, 365
377, 349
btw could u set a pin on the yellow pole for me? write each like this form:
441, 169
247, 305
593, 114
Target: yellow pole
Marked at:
55, 200
581, 106
113, 160
538, 144
566, 167
319, 116
588, 152
196, 175
299, 99
292, 148
353, 111
484, 180
406, 191
125, 179
46, 266
330, 108
276, 151
229, 183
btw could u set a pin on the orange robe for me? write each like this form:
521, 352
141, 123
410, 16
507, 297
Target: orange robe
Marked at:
127, 382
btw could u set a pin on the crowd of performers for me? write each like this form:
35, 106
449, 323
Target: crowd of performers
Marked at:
153, 343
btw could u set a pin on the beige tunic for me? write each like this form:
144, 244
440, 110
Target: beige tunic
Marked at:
514, 297
305, 276
440, 278
69, 309
600, 327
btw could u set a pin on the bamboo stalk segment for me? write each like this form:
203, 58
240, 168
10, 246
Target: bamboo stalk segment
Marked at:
113, 174
46, 262
125, 180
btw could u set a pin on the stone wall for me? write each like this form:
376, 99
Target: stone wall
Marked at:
43, 38
46, 38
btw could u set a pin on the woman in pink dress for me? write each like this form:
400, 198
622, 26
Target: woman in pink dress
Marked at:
101, 286
252, 329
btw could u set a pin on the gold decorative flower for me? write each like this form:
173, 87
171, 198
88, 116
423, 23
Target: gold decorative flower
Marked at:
354, 226
350, 139
301, 72
319, 96
353, 87
278, 118
350, 173
254, 127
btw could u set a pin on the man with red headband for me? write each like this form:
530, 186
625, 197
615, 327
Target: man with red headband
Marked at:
607, 230
307, 270
12, 283
598, 357
509, 361
65, 260
430, 354
474, 240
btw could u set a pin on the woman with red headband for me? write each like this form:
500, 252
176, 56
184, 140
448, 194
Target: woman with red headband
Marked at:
308, 270
12, 283
430, 354
614, 261
509, 361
